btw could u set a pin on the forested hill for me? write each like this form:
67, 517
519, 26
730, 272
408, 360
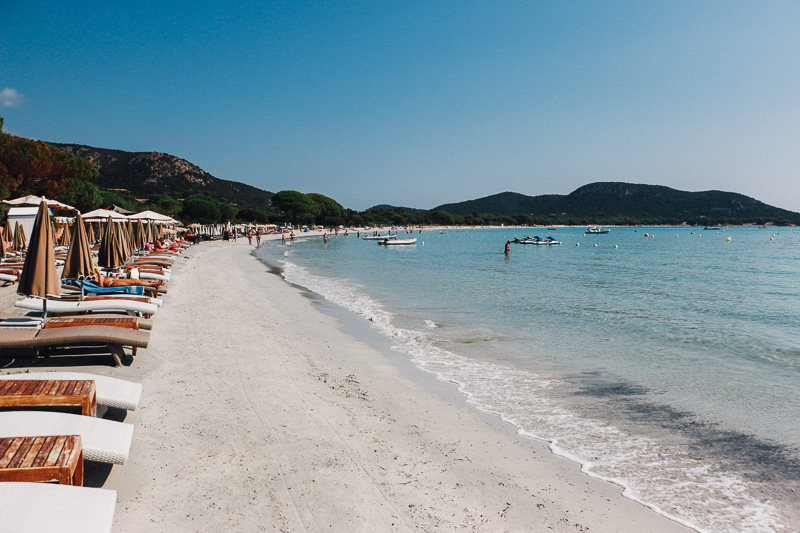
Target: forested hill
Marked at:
149, 173
628, 203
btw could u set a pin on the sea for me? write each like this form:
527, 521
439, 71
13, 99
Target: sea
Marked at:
663, 359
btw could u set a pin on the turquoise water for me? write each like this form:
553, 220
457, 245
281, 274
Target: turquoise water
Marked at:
668, 364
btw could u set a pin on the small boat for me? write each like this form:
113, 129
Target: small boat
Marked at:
395, 241
378, 237
595, 230
710, 228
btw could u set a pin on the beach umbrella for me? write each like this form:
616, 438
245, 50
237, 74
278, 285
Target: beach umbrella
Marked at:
8, 233
66, 239
103, 215
19, 238
90, 233
153, 216
124, 244
138, 235
129, 231
39, 277
148, 232
79, 257
2, 243
110, 255
37, 200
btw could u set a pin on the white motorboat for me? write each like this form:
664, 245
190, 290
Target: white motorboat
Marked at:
395, 241
378, 237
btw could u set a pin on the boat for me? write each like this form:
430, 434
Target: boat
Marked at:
395, 241
596, 230
709, 228
549, 241
378, 237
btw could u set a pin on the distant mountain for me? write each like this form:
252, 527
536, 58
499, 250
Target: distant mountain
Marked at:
149, 173
616, 202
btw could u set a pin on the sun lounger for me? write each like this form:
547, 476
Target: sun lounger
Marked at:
111, 392
112, 337
92, 288
105, 441
39, 507
56, 307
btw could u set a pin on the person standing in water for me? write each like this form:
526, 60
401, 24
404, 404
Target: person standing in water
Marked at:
508, 247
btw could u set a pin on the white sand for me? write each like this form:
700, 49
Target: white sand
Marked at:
259, 414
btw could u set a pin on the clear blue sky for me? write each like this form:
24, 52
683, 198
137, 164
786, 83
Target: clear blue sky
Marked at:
421, 103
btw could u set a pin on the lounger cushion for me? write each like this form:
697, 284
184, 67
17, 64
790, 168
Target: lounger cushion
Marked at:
105, 441
39, 507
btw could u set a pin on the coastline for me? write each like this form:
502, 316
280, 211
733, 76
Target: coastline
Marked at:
260, 412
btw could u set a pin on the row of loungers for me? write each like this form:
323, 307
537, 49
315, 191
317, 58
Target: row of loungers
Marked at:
33, 442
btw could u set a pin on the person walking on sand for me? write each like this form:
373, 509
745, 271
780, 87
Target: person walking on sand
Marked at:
258, 237
249, 237
508, 247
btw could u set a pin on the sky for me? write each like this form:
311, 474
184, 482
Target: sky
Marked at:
421, 103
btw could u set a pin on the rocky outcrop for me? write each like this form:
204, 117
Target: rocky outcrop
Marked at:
148, 173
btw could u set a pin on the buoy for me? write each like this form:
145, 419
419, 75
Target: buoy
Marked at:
577, 244
595, 246
728, 239
646, 235
616, 246
692, 233
652, 236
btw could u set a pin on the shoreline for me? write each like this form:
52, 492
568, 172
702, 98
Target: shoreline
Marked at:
261, 411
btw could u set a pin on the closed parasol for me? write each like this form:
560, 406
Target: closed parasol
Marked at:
39, 277
79, 257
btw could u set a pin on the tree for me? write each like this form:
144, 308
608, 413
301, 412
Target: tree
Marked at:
201, 208
298, 206
329, 211
252, 214
82, 195
35, 167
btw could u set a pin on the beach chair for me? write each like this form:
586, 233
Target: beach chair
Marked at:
57, 307
41, 507
111, 392
114, 338
104, 441
93, 288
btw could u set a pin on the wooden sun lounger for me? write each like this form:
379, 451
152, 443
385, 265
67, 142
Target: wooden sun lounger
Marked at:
49, 392
111, 392
112, 337
38, 507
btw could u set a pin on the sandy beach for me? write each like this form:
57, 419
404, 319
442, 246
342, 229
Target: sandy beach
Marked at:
260, 414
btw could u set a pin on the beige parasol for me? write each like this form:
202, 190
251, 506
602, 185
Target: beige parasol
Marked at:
39, 277
79, 257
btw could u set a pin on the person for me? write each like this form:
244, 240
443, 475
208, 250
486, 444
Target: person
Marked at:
283, 237
258, 237
108, 281
508, 247
249, 237
325, 237
291, 236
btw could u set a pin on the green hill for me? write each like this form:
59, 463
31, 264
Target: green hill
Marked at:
628, 203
